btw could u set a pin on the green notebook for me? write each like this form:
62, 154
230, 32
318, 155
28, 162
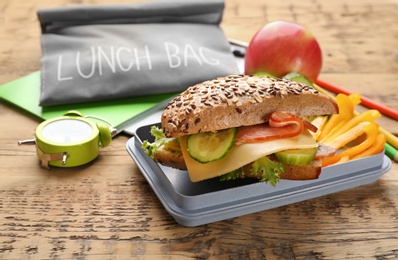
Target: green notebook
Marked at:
24, 93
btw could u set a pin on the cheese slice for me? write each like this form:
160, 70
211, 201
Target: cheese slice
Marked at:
240, 155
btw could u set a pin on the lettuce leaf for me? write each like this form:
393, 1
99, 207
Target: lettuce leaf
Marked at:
270, 170
160, 139
236, 174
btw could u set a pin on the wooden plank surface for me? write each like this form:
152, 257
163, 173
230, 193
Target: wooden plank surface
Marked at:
106, 210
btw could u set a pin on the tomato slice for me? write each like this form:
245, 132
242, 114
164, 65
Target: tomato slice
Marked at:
281, 125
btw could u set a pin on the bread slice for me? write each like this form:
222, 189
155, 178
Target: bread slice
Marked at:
169, 158
240, 100
291, 172
302, 172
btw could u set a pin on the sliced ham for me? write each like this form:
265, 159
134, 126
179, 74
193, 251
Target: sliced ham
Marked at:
281, 125
324, 151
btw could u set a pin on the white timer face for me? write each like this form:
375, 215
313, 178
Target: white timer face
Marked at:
67, 131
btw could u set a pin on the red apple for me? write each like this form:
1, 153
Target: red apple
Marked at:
282, 47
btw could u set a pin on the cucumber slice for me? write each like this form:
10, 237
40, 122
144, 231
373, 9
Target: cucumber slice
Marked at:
296, 77
211, 146
296, 156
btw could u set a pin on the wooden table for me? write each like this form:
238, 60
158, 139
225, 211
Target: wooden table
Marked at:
106, 210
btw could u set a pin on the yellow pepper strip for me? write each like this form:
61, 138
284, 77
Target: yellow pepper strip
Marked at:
319, 122
371, 131
355, 99
347, 137
367, 116
375, 148
334, 130
346, 112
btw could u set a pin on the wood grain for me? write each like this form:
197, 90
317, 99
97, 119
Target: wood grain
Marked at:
106, 209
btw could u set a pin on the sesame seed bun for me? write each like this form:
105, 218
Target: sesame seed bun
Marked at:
240, 100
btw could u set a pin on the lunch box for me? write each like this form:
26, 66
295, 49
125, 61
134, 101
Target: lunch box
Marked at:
194, 204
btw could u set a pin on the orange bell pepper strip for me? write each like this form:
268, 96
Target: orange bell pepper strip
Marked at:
376, 148
371, 131
343, 159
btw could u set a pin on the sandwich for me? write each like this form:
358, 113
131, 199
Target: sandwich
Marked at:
242, 126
